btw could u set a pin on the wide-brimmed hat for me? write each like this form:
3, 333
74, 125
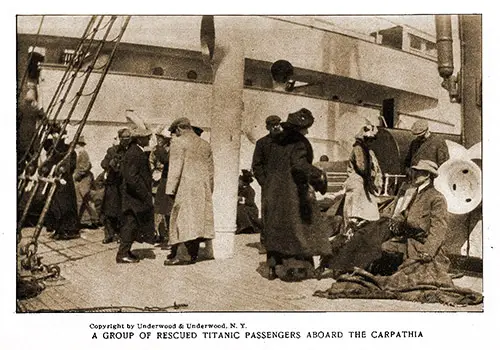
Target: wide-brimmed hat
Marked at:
368, 130
427, 165
163, 131
302, 119
273, 120
183, 121
420, 127
140, 132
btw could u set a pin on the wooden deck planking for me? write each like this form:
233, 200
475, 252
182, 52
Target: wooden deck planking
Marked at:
234, 284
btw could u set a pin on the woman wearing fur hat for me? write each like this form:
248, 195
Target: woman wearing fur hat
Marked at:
295, 229
247, 215
364, 182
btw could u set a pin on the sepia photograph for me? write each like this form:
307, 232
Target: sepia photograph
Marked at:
248, 164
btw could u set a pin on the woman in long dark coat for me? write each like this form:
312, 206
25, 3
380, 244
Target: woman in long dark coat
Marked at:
295, 229
62, 216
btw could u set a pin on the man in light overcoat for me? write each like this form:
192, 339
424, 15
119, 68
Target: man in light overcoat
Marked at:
191, 181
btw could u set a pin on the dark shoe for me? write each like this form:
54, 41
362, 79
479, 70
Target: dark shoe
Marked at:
178, 262
56, 236
126, 260
320, 273
107, 240
173, 253
262, 249
133, 256
271, 274
66, 236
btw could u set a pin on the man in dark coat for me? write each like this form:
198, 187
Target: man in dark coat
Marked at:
426, 146
137, 197
158, 160
295, 229
62, 216
112, 202
260, 162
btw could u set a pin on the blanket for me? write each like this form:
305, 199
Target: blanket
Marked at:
418, 281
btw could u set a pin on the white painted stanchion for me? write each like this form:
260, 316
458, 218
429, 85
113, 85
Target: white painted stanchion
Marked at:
227, 109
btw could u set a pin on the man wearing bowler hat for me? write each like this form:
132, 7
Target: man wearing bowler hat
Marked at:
137, 197
426, 145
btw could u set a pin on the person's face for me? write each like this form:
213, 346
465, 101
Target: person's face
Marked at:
124, 142
274, 129
420, 138
370, 139
143, 141
420, 176
176, 132
160, 140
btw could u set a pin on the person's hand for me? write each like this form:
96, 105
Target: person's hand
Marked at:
156, 175
424, 257
395, 224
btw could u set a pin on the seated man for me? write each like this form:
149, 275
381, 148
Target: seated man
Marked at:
418, 223
414, 228
413, 260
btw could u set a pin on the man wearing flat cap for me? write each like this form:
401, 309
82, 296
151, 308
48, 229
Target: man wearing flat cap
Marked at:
426, 145
190, 181
137, 197
112, 202
260, 162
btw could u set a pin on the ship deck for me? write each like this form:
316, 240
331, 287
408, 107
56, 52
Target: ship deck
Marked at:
91, 280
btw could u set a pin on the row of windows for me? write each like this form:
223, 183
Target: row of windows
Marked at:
68, 55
